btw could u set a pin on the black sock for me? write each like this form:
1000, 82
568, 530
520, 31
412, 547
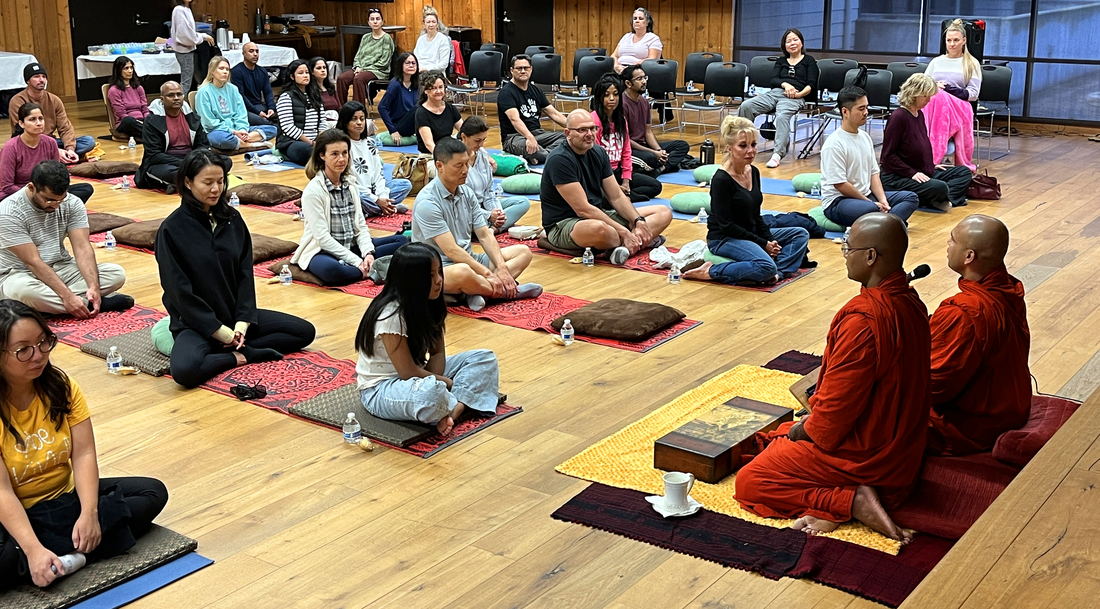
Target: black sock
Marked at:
254, 356
115, 302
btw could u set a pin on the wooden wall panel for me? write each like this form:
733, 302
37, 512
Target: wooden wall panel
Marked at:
41, 28
685, 26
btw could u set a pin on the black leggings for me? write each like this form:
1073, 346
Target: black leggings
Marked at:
145, 497
642, 187
197, 359
130, 126
82, 190
297, 152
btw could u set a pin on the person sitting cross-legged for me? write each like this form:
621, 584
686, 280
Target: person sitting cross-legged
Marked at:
224, 116
660, 157
404, 372
520, 103
504, 212
735, 229
584, 206
35, 267
166, 139
445, 214
23, 152
379, 196
251, 80
72, 146
336, 245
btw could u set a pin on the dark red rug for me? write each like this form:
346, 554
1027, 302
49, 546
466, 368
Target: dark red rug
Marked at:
76, 332
290, 207
728, 541
365, 288
390, 224
795, 362
466, 426
293, 379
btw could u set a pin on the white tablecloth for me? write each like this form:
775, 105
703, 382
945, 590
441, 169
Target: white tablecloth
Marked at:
98, 66
11, 69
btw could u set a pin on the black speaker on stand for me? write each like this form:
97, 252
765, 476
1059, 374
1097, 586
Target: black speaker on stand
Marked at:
975, 37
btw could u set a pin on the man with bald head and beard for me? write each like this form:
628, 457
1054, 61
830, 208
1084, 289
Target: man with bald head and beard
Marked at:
859, 451
167, 138
981, 384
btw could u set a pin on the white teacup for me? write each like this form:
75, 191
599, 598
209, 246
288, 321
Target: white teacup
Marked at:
677, 487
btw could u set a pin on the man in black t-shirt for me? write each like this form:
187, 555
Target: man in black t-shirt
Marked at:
582, 204
519, 106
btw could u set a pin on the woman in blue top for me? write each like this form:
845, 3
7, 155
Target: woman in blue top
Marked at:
221, 108
398, 105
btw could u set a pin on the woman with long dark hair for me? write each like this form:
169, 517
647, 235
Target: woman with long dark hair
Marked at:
436, 118
612, 134
398, 105
127, 98
301, 114
403, 371
27, 149
504, 212
379, 196
204, 253
52, 501
318, 71
336, 245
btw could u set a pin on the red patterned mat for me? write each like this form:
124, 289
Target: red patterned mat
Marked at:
293, 379
465, 427
76, 332
365, 288
389, 223
290, 207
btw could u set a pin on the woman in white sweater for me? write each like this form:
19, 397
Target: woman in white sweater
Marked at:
379, 196
957, 72
433, 47
336, 245
185, 37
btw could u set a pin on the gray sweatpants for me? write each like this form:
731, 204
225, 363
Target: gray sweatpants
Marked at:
25, 287
783, 107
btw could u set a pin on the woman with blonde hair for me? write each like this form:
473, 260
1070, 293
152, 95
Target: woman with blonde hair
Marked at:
433, 47
907, 163
950, 115
223, 113
957, 72
735, 229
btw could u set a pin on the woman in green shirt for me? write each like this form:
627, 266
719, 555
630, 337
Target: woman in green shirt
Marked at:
372, 62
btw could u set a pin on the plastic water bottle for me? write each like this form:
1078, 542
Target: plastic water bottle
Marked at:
234, 200
567, 333
473, 83
285, 278
825, 95
752, 90
131, 144
125, 184
114, 361
702, 217
72, 563
352, 431
498, 193
584, 90
674, 274
691, 85
109, 241
712, 99
816, 190
588, 258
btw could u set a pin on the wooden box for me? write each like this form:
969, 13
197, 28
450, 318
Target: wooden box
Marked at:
711, 446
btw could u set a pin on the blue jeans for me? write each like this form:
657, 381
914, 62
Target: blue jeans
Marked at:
334, 272
846, 211
514, 209
752, 263
84, 144
475, 377
226, 140
399, 189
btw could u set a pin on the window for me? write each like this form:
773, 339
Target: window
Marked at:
1007, 24
1067, 29
876, 25
1070, 91
763, 23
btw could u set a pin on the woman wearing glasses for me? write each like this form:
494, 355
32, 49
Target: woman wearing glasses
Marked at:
54, 507
398, 105
794, 79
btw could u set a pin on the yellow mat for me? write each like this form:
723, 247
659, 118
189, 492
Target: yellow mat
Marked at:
625, 459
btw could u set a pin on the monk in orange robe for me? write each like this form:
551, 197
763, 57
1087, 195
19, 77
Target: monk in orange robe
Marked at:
859, 451
981, 384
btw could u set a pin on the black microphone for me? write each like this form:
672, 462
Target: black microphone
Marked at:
920, 272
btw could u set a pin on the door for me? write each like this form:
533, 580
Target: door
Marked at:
126, 21
522, 23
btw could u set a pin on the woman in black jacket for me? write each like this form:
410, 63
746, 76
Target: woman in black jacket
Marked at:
204, 253
301, 114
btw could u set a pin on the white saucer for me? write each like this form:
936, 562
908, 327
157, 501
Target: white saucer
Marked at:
659, 504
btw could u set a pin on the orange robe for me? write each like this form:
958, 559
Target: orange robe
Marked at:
870, 414
981, 384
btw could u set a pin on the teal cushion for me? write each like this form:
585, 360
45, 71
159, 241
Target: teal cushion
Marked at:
522, 184
509, 165
714, 258
704, 173
818, 214
804, 182
387, 139
162, 336
690, 202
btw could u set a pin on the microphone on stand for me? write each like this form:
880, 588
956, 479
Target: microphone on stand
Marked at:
920, 272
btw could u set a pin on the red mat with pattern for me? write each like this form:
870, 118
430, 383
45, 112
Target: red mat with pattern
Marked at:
76, 332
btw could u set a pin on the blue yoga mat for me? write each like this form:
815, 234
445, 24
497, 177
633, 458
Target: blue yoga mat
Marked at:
146, 583
769, 186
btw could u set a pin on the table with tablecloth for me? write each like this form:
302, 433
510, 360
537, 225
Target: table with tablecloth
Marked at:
99, 66
11, 69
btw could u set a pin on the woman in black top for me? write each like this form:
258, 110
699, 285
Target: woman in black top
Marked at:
435, 118
735, 229
794, 79
204, 253
301, 114
318, 71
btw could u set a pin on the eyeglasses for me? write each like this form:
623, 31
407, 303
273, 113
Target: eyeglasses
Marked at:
584, 130
641, 78
845, 250
44, 346
522, 68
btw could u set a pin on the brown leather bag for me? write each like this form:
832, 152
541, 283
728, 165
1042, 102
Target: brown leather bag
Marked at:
416, 168
983, 186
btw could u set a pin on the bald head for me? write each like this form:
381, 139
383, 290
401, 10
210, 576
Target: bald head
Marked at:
580, 131
876, 246
171, 95
577, 117
168, 86
250, 53
977, 246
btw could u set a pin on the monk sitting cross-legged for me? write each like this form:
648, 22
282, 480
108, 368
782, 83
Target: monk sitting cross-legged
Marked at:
981, 385
859, 451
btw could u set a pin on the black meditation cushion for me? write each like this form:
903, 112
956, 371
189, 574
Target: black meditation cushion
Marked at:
620, 319
142, 235
296, 272
266, 194
101, 223
103, 169
266, 248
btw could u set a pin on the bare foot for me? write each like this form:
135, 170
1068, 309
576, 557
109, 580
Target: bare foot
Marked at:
701, 273
814, 526
445, 425
240, 358
457, 412
867, 509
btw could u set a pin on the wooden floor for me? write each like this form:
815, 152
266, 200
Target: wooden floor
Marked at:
295, 518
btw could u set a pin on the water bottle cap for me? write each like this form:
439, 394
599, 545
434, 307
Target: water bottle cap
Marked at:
113, 349
351, 415
566, 322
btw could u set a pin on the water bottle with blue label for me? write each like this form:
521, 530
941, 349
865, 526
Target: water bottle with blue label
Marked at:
285, 278
752, 90
588, 258
352, 431
109, 241
567, 333
114, 361
816, 190
125, 183
234, 200
674, 274
131, 144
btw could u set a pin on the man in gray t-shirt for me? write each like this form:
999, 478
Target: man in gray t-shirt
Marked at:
446, 214
35, 267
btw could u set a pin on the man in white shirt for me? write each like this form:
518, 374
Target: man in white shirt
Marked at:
850, 184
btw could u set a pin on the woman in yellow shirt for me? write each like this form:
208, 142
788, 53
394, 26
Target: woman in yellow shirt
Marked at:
52, 500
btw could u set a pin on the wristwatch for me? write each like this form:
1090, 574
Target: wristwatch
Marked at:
637, 220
